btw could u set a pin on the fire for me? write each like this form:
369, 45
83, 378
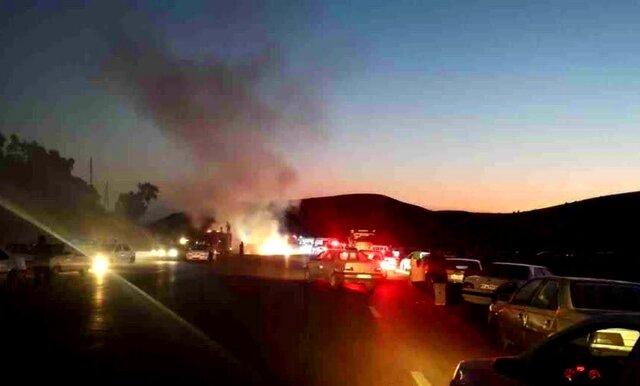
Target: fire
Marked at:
276, 244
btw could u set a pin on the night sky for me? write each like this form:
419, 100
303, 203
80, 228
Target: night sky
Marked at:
475, 105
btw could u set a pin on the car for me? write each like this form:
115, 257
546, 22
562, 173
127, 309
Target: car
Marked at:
344, 266
201, 251
21, 250
64, 259
405, 262
481, 289
118, 252
600, 350
13, 267
458, 268
545, 305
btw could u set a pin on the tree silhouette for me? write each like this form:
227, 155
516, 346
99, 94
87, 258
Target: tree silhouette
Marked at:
133, 205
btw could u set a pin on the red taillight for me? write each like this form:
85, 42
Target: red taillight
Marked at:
378, 269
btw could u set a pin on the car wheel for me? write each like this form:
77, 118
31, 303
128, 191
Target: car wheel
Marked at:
334, 281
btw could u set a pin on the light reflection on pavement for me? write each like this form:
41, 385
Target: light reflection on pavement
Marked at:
259, 310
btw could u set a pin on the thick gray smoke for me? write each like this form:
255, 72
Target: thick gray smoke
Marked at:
228, 114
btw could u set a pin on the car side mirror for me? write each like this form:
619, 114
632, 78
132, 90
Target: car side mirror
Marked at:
511, 367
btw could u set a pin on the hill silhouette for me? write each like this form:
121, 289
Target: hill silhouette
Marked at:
596, 224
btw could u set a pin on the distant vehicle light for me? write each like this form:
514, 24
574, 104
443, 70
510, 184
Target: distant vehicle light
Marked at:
387, 265
161, 252
173, 252
183, 240
99, 265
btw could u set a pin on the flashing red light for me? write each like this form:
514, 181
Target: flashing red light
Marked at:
594, 374
580, 368
335, 243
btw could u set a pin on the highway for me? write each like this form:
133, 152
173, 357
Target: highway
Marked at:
174, 319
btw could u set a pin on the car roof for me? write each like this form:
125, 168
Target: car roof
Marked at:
518, 264
594, 280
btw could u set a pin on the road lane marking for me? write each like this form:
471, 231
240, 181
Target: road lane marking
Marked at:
374, 312
420, 379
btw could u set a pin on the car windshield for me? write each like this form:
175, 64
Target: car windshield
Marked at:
507, 271
605, 296
199, 246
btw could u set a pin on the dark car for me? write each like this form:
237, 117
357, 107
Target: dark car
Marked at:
602, 350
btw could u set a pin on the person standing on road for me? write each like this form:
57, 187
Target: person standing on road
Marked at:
438, 276
241, 249
417, 271
42, 257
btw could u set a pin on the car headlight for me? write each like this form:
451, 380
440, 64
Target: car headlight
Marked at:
99, 264
172, 252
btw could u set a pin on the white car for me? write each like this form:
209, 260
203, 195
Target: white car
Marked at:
118, 253
202, 251
65, 259
405, 263
20, 250
481, 289
11, 266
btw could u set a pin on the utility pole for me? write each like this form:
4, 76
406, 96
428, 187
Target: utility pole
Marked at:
91, 171
106, 195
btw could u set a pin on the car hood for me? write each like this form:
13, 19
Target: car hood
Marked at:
480, 372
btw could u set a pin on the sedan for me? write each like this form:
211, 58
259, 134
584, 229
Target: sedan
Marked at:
339, 267
602, 350
543, 306
458, 268
481, 289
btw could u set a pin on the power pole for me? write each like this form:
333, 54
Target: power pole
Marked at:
91, 171
106, 195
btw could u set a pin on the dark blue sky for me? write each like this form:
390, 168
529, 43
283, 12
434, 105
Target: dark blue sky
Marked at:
479, 105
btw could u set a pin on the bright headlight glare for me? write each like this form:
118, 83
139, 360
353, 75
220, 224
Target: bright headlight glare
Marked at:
173, 252
99, 264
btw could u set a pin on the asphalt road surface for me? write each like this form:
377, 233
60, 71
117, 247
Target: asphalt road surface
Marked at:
250, 320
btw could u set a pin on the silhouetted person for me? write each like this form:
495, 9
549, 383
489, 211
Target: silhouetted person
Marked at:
241, 249
438, 278
41, 260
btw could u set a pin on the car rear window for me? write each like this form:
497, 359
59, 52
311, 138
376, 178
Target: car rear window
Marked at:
605, 296
507, 271
470, 267
353, 256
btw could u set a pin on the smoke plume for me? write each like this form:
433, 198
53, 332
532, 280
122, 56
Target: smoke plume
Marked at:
229, 114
